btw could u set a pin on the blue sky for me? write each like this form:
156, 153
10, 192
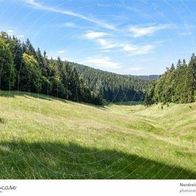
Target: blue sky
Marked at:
122, 36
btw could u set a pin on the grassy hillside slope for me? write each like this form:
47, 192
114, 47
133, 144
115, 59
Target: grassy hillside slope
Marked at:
46, 138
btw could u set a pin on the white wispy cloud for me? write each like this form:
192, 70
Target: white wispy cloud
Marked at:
37, 5
106, 44
33, 3
105, 63
101, 38
94, 35
138, 49
140, 31
102, 62
61, 51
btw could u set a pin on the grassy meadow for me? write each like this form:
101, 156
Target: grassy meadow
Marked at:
46, 138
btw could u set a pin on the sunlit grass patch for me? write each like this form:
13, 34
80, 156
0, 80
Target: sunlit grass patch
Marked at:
42, 137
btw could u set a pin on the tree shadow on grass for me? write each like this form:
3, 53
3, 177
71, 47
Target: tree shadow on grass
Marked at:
128, 103
25, 94
28, 95
20, 160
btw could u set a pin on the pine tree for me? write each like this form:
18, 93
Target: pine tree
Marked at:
7, 68
192, 65
30, 75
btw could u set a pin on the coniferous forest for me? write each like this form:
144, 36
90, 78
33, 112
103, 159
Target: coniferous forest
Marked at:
25, 69
113, 87
177, 84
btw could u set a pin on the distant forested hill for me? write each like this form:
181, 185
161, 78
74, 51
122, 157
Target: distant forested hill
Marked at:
147, 77
114, 87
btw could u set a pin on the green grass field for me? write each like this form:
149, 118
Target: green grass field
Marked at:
46, 138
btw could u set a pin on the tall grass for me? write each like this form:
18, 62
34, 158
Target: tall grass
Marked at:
46, 138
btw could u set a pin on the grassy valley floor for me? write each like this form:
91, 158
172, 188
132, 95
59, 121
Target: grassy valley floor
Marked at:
46, 138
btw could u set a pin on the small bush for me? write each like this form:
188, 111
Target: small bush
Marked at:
2, 120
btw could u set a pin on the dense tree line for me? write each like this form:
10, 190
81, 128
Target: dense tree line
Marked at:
113, 87
26, 69
177, 84
146, 77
